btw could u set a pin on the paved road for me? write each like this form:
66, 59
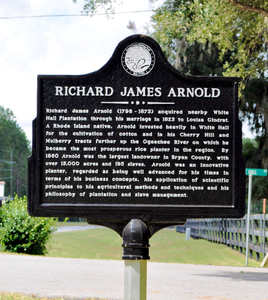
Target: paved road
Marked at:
74, 228
81, 278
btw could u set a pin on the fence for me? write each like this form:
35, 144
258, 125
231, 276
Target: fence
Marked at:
232, 232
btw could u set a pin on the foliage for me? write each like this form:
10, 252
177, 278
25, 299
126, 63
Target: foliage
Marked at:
217, 37
21, 233
92, 6
250, 151
14, 151
239, 26
170, 23
233, 36
242, 30
252, 155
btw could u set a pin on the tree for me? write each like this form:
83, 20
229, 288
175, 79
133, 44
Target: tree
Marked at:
259, 183
217, 37
21, 233
14, 151
239, 26
236, 26
239, 32
170, 30
92, 6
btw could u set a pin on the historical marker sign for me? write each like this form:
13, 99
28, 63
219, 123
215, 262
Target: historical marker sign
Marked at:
136, 139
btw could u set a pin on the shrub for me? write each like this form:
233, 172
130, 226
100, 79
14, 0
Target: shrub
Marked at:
21, 233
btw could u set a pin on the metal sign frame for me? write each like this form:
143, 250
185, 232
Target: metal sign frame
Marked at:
120, 86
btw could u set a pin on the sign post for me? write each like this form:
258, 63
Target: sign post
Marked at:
265, 256
264, 225
136, 253
248, 215
250, 173
2, 191
137, 140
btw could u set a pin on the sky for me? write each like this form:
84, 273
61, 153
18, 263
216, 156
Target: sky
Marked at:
69, 45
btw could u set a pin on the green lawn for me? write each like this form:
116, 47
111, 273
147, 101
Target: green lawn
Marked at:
165, 246
62, 224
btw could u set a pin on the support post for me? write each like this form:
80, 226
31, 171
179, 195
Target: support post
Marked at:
264, 234
135, 253
248, 216
2, 191
11, 172
264, 225
135, 279
262, 230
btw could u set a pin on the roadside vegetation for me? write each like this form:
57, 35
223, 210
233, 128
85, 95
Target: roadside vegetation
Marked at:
166, 246
14, 152
21, 233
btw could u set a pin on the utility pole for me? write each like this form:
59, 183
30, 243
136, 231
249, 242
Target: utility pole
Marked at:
11, 173
11, 169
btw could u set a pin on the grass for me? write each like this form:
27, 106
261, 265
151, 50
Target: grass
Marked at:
19, 296
202, 252
98, 243
63, 224
166, 246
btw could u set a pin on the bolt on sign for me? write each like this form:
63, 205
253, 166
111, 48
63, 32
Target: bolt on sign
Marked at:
136, 139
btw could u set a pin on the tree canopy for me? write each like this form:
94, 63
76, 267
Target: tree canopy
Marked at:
14, 151
236, 27
253, 160
216, 37
233, 35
